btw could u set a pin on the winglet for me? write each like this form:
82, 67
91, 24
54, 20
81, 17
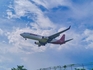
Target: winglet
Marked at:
69, 27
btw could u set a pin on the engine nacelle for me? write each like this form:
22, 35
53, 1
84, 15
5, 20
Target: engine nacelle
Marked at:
37, 43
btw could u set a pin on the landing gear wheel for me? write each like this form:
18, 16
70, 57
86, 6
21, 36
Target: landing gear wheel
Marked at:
39, 45
25, 38
42, 37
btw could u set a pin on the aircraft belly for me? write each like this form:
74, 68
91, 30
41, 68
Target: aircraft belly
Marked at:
43, 40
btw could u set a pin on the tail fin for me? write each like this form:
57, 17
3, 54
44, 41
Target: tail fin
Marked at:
62, 39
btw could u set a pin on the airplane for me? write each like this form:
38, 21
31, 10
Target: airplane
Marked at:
43, 40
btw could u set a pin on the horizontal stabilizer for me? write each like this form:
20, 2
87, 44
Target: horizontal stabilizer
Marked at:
68, 40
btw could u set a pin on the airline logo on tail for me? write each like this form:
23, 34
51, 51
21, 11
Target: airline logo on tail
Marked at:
62, 39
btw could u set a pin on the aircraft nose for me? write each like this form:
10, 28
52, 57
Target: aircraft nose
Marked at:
21, 34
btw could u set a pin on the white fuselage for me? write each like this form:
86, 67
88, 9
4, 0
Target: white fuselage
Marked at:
34, 37
31, 36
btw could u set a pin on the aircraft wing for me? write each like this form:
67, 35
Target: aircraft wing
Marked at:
57, 34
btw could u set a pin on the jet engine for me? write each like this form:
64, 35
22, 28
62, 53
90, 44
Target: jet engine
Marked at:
37, 43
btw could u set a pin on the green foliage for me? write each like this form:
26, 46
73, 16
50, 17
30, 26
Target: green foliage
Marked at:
64, 66
19, 68
79, 69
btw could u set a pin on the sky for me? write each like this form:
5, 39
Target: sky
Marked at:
45, 17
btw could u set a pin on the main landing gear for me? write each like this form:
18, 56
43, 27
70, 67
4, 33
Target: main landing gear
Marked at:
25, 38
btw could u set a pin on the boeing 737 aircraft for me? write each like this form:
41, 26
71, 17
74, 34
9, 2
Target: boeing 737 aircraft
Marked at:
43, 40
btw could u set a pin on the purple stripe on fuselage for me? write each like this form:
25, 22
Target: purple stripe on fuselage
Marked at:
58, 42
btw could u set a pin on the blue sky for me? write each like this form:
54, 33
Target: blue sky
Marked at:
45, 17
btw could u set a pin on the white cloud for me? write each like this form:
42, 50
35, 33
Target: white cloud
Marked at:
21, 7
51, 3
40, 22
81, 11
40, 26
88, 33
10, 14
89, 38
21, 45
76, 11
1, 32
28, 46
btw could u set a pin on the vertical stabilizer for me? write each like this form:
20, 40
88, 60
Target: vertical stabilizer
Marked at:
62, 39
